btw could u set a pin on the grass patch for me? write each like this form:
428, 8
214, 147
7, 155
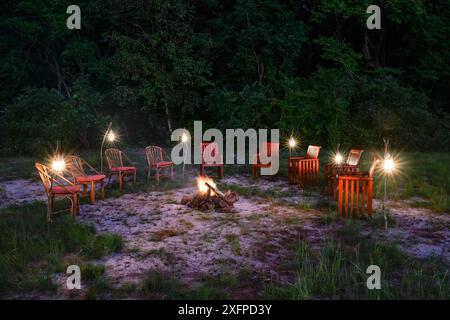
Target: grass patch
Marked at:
31, 249
338, 272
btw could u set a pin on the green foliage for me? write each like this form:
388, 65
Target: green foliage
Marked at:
31, 249
338, 272
39, 118
311, 67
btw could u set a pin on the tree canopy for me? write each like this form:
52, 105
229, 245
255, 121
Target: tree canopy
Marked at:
151, 66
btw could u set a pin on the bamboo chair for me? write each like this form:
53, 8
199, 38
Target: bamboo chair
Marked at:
56, 186
115, 158
333, 170
304, 170
267, 149
355, 191
157, 158
76, 166
211, 158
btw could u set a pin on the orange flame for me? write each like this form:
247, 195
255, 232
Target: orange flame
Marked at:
201, 184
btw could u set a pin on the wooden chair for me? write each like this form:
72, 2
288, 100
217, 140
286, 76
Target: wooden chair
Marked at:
76, 167
157, 158
115, 161
56, 186
211, 158
333, 170
355, 191
304, 170
267, 149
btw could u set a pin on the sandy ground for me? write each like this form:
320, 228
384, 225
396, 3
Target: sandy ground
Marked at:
164, 235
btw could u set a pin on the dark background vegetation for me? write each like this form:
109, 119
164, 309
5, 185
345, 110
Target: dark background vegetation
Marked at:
304, 66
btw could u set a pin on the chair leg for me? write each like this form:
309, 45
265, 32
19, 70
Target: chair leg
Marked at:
171, 172
109, 179
148, 173
92, 192
157, 175
102, 188
220, 172
84, 191
120, 181
135, 172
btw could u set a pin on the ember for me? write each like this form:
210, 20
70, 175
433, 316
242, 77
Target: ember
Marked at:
209, 197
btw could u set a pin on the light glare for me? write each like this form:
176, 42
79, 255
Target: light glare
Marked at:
388, 165
111, 136
338, 158
58, 165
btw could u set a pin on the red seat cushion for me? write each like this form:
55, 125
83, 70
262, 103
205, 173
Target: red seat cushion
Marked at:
164, 164
65, 190
121, 169
97, 177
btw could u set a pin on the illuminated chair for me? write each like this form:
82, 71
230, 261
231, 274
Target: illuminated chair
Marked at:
116, 165
332, 170
158, 159
267, 149
355, 191
304, 170
76, 166
211, 158
56, 186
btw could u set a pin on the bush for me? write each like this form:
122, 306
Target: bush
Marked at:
39, 118
331, 107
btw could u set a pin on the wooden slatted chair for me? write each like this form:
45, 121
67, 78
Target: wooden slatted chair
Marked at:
76, 166
157, 158
211, 157
56, 186
355, 191
115, 159
304, 170
267, 149
332, 170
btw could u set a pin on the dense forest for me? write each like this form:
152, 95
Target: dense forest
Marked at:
311, 67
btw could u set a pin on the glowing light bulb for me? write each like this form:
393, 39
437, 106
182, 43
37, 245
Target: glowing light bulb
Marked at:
338, 158
292, 143
388, 165
184, 138
111, 136
58, 165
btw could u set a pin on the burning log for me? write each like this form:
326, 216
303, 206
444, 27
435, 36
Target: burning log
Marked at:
209, 197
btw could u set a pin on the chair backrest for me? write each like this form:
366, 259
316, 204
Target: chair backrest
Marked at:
376, 161
75, 165
210, 153
268, 148
114, 158
44, 174
154, 154
354, 156
313, 152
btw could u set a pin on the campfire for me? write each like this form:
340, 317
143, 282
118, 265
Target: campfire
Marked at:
209, 197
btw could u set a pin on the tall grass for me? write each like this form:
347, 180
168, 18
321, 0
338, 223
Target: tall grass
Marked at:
339, 272
31, 249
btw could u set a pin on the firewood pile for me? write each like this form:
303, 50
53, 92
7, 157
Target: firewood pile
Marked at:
212, 199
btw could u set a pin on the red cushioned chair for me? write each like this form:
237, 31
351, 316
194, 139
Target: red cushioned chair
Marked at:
76, 167
211, 158
304, 170
158, 159
57, 186
267, 148
116, 165
332, 170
